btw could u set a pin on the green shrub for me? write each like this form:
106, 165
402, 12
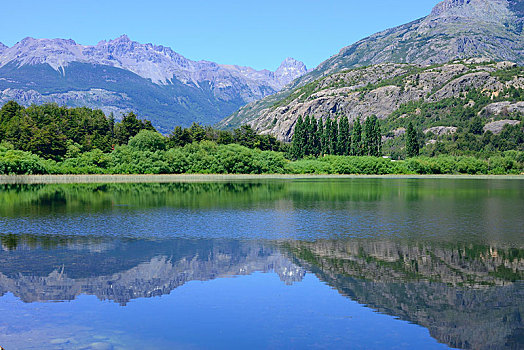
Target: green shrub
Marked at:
147, 140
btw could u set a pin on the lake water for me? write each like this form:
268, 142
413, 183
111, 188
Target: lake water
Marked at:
336, 264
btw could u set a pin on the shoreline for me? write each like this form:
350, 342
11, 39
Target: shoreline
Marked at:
180, 178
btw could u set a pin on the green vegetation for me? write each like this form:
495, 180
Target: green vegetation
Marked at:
57, 140
314, 138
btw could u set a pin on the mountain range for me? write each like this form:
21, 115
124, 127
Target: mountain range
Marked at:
482, 30
121, 75
159, 84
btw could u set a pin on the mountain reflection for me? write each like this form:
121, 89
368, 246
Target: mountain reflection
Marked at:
467, 296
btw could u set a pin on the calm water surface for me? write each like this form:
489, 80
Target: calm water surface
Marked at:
352, 263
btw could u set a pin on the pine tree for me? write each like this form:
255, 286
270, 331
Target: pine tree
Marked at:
356, 139
343, 142
412, 145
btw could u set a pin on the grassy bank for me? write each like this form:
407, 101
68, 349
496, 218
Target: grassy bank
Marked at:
199, 178
210, 158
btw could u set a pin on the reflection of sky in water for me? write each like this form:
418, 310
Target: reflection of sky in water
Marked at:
440, 253
256, 311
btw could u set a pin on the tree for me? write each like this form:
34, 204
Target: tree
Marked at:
129, 127
356, 139
308, 136
412, 145
333, 137
325, 137
372, 137
297, 148
476, 126
344, 139
197, 132
147, 140
179, 137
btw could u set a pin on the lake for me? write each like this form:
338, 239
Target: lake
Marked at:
300, 263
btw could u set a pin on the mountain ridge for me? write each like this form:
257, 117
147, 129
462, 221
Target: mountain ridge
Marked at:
454, 30
122, 75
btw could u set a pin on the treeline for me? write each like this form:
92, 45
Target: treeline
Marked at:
54, 132
313, 137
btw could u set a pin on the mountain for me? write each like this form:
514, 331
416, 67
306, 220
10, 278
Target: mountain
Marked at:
122, 75
455, 29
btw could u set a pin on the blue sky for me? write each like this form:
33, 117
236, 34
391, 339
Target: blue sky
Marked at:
259, 34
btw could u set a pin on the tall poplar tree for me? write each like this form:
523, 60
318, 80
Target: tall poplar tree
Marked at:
297, 149
344, 140
412, 145
356, 139
333, 137
324, 144
307, 142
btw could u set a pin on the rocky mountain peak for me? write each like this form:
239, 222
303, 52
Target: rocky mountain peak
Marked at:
486, 10
2, 47
289, 70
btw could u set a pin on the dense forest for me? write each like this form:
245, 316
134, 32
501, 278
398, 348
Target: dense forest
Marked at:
50, 139
55, 132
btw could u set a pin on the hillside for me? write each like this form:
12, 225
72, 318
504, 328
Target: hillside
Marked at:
122, 75
455, 30
440, 100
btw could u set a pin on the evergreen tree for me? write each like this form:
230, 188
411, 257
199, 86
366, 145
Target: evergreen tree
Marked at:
356, 139
197, 132
344, 140
412, 145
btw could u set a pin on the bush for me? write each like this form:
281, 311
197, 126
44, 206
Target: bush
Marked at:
19, 162
147, 140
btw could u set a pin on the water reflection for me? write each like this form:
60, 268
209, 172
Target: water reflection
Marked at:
467, 296
447, 255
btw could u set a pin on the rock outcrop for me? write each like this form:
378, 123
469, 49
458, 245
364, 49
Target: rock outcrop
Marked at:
497, 126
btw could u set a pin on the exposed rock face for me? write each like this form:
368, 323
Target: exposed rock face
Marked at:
441, 130
455, 29
376, 90
2, 48
497, 126
504, 108
289, 70
178, 86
